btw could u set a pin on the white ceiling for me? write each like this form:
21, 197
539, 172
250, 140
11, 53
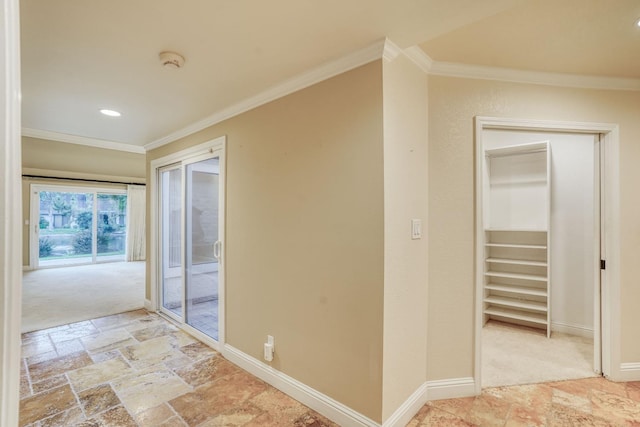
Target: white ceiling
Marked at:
79, 56
591, 37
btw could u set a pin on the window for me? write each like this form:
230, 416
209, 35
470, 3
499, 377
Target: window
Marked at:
77, 225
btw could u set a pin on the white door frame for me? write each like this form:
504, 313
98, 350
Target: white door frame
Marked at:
610, 202
10, 213
219, 145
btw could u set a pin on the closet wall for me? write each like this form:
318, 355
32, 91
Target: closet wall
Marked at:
574, 227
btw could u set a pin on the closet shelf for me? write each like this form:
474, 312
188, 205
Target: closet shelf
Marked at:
515, 289
517, 262
518, 315
517, 303
516, 276
515, 246
520, 230
510, 150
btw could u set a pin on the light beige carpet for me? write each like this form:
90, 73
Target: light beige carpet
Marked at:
57, 296
514, 355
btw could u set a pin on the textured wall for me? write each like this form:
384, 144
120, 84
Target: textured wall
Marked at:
453, 104
405, 260
304, 234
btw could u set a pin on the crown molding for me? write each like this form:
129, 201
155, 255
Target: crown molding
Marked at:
416, 55
81, 140
323, 72
387, 50
391, 50
450, 69
419, 57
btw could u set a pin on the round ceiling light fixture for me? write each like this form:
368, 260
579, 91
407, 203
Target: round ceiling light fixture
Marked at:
171, 59
638, 23
110, 113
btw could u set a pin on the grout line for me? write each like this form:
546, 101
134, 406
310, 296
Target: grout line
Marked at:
172, 409
76, 395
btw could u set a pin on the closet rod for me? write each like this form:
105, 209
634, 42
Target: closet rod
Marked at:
105, 181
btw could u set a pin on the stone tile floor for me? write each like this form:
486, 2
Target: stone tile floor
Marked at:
136, 369
573, 403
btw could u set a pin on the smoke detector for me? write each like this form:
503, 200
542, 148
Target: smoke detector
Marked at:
171, 60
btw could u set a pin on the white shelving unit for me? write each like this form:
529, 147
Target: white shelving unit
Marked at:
517, 239
517, 277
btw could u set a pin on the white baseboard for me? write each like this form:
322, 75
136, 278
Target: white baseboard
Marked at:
578, 330
408, 409
451, 388
630, 371
319, 402
148, 305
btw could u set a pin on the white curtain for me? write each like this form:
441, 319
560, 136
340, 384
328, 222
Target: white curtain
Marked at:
136, 210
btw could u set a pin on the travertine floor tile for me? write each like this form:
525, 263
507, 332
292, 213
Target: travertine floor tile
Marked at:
58, 365
119, 320
572, 401
136, 369
71, 417
197, 350
98, 399
141, 392
206, 370
49, 383
236, 417
108, 340
489, 411
25, 389
75, 331
615, 408
438, 417
526, 416
155, 416
46, 404
151, 352
99, 373
157, 330
116, 417
67, 347
37, 346
217, 398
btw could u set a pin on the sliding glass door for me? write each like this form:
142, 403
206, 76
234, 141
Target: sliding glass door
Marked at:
77, 225
190, 242
171, 232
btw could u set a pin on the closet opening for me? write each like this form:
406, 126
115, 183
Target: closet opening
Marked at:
540, 242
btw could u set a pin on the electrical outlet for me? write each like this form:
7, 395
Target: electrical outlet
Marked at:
269, 348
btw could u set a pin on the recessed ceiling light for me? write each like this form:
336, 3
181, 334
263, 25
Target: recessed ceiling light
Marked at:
110, 113
638, 22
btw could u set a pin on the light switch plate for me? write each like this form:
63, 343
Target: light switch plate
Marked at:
416, 229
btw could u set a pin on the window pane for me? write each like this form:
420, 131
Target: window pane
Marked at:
112, 210
65, 226
171, 212
201, 236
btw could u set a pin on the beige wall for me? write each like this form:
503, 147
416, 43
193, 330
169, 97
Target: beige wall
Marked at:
405, 260
453, 103
80, 159
304, 234
59, 159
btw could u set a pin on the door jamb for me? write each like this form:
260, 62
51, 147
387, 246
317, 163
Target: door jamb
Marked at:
610, 199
